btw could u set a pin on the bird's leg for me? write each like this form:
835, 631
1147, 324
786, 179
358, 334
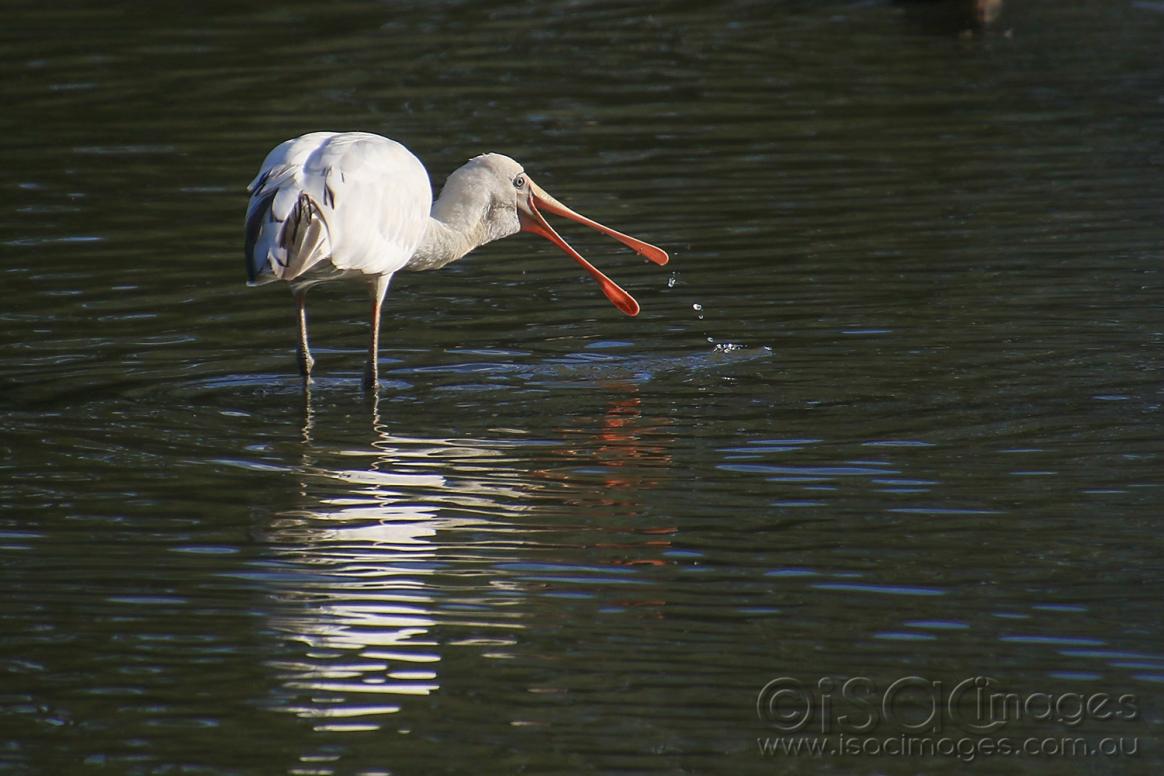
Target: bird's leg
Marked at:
303, 351
371, 371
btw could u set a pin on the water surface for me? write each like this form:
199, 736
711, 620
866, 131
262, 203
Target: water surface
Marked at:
893, 410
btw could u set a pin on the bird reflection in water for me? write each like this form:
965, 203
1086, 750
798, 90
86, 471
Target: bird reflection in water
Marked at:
405, 548
365, 593
633, 455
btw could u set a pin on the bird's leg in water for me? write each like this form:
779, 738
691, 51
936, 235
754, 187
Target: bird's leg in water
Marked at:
371, 371
304, 352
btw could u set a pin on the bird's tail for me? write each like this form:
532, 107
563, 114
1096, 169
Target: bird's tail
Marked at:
286, 234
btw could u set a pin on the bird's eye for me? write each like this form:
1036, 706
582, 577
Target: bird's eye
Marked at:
519, 181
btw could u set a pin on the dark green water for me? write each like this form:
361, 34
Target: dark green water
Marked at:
913, 429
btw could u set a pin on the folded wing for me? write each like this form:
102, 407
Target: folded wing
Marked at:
356, 200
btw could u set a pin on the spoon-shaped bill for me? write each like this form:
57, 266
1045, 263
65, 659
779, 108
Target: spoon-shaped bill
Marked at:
547, 203
534, 222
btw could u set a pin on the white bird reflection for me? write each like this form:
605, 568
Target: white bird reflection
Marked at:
397, 550
364, 594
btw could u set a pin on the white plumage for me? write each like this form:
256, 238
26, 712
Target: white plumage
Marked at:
331, 205
373, 197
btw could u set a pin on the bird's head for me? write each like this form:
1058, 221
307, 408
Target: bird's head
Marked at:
514, 203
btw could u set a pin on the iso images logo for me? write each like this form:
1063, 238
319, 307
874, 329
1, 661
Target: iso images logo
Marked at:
915, 716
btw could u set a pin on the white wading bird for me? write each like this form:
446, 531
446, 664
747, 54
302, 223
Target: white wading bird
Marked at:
352, 205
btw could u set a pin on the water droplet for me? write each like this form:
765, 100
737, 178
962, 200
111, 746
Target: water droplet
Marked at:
698, 308
672, 280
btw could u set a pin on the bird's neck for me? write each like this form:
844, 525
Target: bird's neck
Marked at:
443, 244
455, 224
464, 217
